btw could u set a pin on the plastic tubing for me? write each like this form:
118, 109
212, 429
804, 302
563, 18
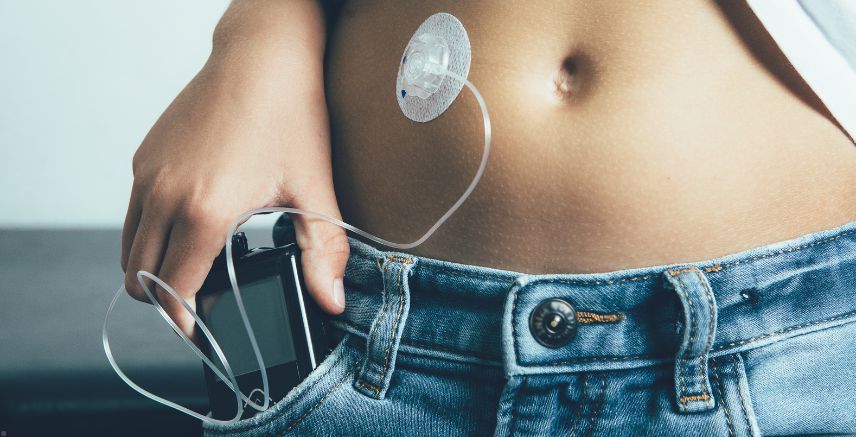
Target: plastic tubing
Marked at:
229, 377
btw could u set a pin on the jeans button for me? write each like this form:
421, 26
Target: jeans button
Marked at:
553, 322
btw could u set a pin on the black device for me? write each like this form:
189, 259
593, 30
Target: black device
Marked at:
291, 331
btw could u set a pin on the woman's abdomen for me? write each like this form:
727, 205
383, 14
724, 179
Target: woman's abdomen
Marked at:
624, 136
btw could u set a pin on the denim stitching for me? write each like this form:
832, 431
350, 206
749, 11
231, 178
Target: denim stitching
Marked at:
687, 352
380, 317
722, 405
400, 259
784, 330
693, 319
383, 309
369, 386
791, 249
709, 294
714, 268
465, 274
514, 324
711, 269
600, 404
690, 398
395, 324
709, 344
590, 317
283, 413
315, 405
720, 347
740, 395
423, 344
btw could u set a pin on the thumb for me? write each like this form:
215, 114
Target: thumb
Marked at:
324, 251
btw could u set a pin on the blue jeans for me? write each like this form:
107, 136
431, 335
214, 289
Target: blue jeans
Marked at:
760, 342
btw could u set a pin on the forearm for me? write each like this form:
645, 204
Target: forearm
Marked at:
272, 46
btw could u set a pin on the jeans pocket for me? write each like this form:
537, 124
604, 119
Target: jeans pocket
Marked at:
332, 374
806, 384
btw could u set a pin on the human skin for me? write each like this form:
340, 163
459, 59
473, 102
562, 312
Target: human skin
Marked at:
680, 134
250, 130
683, 134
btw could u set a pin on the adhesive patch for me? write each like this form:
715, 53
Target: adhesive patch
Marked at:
452, 31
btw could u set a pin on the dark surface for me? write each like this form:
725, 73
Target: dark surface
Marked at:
55, 286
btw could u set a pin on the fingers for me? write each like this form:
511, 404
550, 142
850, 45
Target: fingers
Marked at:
195, 240
324, 252
176, 311
129, 230
147, 249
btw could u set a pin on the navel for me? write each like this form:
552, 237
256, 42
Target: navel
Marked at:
569, 80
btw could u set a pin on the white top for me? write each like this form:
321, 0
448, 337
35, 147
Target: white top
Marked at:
819, 39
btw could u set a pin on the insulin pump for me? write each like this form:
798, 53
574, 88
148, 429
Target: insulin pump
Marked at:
293, 334
266, 285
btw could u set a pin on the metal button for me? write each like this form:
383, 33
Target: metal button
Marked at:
553, 323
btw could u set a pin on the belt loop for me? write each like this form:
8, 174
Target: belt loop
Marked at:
385, 333
692, 384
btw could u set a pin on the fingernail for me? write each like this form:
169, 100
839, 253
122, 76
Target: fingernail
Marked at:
339, 293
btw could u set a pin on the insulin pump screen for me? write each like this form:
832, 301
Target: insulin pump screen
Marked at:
271, 327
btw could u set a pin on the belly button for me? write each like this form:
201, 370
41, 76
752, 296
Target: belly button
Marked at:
565, 84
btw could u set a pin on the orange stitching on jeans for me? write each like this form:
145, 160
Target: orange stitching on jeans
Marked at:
722, 405
379, 318
316, 404
714, 268
785, 330
416, 343
382, 314
400, 259
720, 347
395, 324
789, 249
690, 398
675, 273
588, 317
281, 413
467, 275
712, 318
742, 401
369, 386
692, 332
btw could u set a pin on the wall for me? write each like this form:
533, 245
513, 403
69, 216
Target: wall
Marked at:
81, 82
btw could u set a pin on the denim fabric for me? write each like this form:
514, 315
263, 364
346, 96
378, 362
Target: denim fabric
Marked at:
760, 342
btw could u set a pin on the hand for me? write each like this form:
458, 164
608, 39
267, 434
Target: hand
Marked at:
233, 140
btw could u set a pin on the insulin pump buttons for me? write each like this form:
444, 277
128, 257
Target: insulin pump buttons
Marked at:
553, 323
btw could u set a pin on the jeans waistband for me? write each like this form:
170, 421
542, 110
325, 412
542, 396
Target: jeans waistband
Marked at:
625, 318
